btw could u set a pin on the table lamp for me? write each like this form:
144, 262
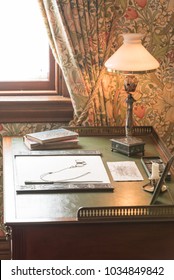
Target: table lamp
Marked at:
130, 59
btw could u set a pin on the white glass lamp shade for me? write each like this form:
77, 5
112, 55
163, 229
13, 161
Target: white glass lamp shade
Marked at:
132, 57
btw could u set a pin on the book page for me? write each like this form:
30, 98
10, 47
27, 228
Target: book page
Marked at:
124, 171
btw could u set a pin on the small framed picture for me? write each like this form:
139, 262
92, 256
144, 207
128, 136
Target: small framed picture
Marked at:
160, 183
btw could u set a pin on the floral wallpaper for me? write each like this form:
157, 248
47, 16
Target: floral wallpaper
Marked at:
155, 92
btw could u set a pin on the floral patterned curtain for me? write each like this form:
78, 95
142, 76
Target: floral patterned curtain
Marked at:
84, 32
80, 34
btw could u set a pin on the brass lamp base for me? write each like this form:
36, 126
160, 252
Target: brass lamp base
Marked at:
128, 145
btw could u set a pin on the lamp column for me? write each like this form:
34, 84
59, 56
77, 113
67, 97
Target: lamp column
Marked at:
129, 117
130, 84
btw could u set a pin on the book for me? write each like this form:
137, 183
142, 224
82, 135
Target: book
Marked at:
59, 134
65, 144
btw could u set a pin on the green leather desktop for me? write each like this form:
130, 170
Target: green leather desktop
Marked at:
47, 225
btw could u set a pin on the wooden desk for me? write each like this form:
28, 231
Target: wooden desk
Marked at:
45, 226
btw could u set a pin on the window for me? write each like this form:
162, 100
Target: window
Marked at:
32, 87
21, 34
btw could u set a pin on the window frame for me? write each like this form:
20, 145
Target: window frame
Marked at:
49, 102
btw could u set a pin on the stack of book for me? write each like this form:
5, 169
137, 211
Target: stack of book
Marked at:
60, 138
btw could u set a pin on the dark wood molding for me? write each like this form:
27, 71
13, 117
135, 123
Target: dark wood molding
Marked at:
5, 252
35, 109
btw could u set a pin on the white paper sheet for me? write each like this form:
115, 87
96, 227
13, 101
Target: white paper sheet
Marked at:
124, 171
31, 168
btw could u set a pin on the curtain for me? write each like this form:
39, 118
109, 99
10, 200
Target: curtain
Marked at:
80, 34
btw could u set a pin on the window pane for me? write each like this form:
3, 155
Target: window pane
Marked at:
24, 48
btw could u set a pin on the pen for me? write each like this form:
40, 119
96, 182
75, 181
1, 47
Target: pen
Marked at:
54, 182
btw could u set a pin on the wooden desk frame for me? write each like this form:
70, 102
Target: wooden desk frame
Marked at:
144, 232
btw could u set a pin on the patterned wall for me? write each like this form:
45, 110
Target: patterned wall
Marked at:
155, 92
